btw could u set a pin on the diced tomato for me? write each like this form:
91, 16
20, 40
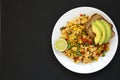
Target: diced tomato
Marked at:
76, 58
81, 14
98, 54
84, 40
87, 49
90, 42
82, 52
80, 37
82, 59
105, 47
66, 38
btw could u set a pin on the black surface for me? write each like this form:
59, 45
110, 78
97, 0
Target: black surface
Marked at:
26, 40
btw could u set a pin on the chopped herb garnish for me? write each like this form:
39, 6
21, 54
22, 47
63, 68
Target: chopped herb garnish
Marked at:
103, 54
93, 42
69, 46
78, 45
84, 14
92, 58
78, 53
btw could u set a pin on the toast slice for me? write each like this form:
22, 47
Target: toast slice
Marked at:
88, 27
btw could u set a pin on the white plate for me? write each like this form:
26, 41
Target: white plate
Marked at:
79, 67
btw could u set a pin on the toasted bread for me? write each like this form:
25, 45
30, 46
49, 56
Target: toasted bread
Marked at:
88, 27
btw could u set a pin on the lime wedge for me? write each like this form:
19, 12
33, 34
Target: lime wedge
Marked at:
60, 44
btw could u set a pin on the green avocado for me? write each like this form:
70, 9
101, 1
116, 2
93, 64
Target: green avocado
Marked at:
97, 31
108, 30
103, 30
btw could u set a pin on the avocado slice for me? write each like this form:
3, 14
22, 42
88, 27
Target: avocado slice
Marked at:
103, 29
97, 31
88, 28
108, 30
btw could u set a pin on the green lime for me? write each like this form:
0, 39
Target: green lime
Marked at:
60, 44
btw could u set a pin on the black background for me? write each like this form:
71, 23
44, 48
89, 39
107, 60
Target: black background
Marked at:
26, 40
